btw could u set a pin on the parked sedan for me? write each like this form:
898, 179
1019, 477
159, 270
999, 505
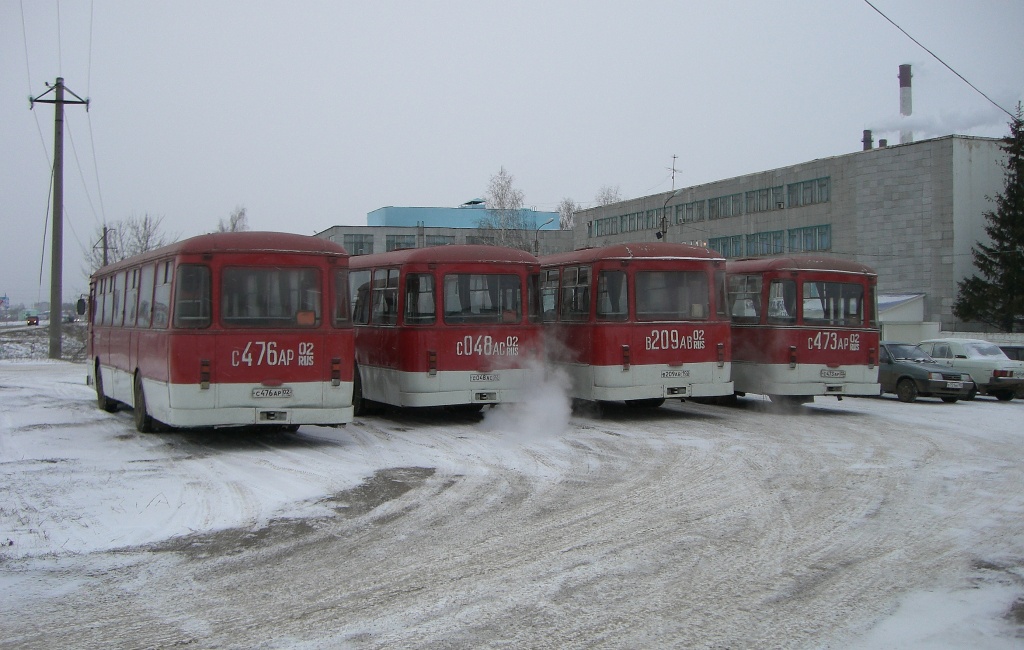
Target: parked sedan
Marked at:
993, 373
908, 371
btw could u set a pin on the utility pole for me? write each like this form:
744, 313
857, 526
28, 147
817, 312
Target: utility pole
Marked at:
57, 249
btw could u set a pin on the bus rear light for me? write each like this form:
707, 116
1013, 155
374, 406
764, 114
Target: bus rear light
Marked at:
721, 355
204, 374
872, 357
335, 372
431, 362
792, 356
625, 358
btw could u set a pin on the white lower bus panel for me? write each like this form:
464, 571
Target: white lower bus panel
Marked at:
444, 388
655, 381
805, 379
189, 405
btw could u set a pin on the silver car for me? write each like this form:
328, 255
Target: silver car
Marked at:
993, 372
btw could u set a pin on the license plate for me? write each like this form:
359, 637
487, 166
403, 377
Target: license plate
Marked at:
954, 384
833, 374
271, 392
674, 374
484, 377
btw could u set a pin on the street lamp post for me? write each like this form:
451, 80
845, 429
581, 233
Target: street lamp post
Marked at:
536, 236
663, 233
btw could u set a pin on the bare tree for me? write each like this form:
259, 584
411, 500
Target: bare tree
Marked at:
237, 222
505, 214
567, 214
607, 195
125, 238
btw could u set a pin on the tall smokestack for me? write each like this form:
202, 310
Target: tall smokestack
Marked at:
868, 140
906, 107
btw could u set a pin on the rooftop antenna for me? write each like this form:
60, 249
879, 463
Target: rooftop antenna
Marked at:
673, 170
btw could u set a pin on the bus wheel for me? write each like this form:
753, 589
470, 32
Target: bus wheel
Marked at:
358, 403
143, 421
646, 403
906, 390
102, 400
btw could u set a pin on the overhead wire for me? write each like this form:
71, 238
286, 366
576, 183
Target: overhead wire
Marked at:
936, 57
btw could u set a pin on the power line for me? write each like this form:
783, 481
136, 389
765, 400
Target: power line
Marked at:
1012, 116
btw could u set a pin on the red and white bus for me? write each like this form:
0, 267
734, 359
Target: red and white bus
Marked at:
243, 328
444, 326
639, 322
803, 326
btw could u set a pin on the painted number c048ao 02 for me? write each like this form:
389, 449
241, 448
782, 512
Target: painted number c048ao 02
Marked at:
487, 346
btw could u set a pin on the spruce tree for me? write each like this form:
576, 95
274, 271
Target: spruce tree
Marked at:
996, 298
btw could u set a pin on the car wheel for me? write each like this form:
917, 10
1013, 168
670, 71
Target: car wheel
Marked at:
1004, 395
906, 390
950, 400
971, 394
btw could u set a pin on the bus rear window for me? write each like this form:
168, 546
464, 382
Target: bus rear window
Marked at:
192, 296
270, 297
833, 303
672, 295
480, 298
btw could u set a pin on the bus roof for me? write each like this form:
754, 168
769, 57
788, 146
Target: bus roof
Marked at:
635, 250
452, 253
797, 263
228, 242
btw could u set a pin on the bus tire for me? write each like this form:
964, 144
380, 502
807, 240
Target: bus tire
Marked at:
143, 421
102, 400
359, 407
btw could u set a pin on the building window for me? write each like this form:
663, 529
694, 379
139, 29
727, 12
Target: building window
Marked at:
395, 242
480, 239
690, 212
439, 240
770, 198
766, 243
812, 238
727, 246
725, 206
358, 244
809, 192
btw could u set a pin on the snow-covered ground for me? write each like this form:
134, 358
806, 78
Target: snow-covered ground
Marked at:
863, 523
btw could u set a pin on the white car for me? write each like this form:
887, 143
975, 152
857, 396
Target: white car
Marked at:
993, 372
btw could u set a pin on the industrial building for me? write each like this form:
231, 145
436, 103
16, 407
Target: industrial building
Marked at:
391, 228
912, 211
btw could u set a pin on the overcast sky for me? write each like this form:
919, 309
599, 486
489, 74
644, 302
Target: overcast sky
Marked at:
312, 114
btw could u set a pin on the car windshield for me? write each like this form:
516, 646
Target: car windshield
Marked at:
908, 351
984, 350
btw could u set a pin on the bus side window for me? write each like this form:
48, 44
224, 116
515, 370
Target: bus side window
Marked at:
341, 298
192, 297
162, 295
385, 296
612, 298
359, 296
549, 295
745, 298
146, 296
419, 299
782, 301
